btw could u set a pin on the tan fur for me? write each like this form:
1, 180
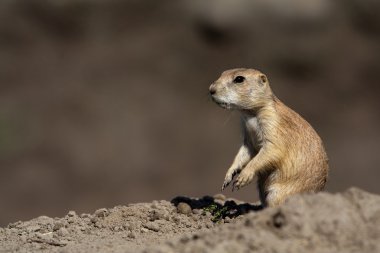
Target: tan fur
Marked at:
279, 147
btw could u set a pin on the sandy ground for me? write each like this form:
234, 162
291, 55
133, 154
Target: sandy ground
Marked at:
324, 222
106, 102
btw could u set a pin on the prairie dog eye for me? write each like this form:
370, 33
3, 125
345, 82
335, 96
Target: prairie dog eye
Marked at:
239, 79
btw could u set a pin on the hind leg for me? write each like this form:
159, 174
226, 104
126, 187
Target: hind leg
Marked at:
275, 198
278, 193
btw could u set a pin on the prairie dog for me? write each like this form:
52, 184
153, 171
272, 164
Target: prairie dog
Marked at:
279, 146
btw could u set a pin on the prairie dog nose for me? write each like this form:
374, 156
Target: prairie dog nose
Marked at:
212, 89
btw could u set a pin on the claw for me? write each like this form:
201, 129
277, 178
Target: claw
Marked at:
225, 184
229, 178
242, 180
234, 186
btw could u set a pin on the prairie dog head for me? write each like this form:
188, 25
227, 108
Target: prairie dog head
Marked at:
241, 89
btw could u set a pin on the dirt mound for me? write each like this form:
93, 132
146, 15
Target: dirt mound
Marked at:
106, 100
344, 222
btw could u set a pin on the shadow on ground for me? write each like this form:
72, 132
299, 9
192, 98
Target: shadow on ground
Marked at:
219, 208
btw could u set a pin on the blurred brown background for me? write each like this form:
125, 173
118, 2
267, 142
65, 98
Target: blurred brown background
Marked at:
105, 102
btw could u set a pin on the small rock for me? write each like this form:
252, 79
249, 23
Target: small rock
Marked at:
279, 220
132, 235
87, 221
23, 238
58, 225
184, 239
99, 225
14, 230
152, 226
196, 218
33, 228
219, 196
71, 220
44, 220
159, 215
227, 220
207, 214
85, 215
45, 230
72, 214
45, 236
63, 243
102, 212
248, 223
177, 220
13, 225
62, 232
184, 208
94, 219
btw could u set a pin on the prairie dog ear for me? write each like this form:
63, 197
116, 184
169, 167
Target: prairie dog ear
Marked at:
263, 79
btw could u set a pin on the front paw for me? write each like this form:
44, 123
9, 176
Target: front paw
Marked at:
226, 182
244, 178
229, 177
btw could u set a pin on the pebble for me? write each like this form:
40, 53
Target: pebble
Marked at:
33, 228
196, 218
46, 236
44, 220
132, 235
154, 204
219, 196
279, 220
159, 215
57, 226
184, 208
62, 232
152, 226
99, 225
176, 220
94, 219
23, 238
85, 215
102, 212
127, 226
72, 214
13, 225
227, 220
117, 228
184, 239
13, 230
71, 219
87, 221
